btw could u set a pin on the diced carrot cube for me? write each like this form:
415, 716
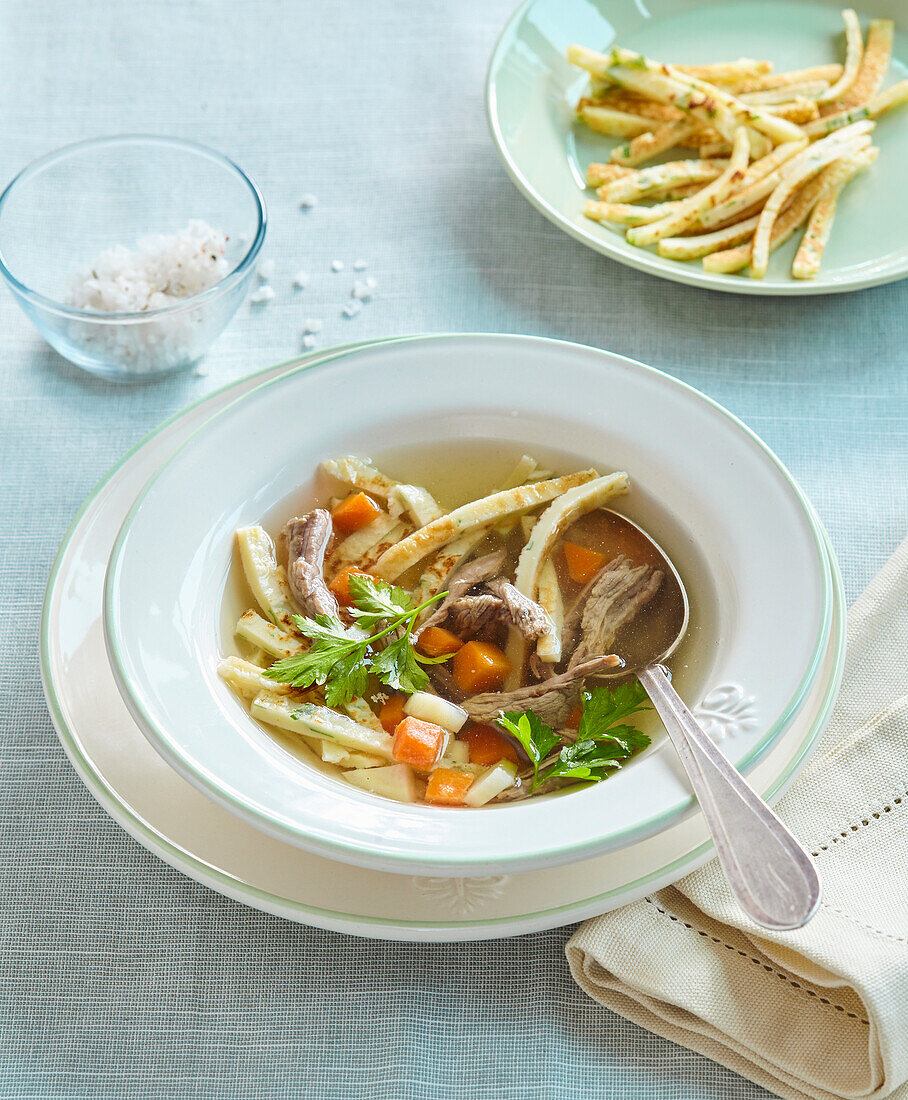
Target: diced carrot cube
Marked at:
353, 512
418, 743
573, 722
488, 745
479, 666
448, 786
340, 585
582, 563
437, 642
392, 712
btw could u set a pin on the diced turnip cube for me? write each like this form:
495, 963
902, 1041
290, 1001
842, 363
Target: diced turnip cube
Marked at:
431, 708
491, 784
397, 782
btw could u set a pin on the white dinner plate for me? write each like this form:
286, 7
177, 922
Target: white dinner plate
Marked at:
531, 92
205, 842
728, 513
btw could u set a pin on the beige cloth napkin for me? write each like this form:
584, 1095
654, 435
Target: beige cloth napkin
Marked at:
821, 1012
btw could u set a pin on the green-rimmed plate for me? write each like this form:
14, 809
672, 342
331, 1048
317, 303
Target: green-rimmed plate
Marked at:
531, 92
202, 840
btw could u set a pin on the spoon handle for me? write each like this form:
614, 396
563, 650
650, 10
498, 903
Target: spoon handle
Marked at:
771, 875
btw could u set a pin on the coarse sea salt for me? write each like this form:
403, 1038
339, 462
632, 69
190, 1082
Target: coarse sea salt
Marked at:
337, 265
266, 271
308, 201
263, 294
163, 270
312, 325
309, 342
160, 271
352, 308
301, 280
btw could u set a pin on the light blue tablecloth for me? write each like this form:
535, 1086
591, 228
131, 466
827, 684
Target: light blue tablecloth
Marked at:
120, 978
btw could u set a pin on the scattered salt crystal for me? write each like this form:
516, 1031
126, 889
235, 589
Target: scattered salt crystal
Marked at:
371, 283
201, 370
263, 294
352, 308
312, 325
309, 342
337, 265
361, 291
359, 265
308, 201
266, 271
301, 280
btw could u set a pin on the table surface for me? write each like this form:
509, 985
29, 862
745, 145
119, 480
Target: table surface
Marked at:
119, 977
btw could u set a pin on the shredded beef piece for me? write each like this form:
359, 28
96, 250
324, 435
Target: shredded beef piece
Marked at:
468, 615
525, 614
617, 595
498, 601
307, 539
463, 578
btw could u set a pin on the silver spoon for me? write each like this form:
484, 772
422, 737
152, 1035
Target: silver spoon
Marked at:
769, 872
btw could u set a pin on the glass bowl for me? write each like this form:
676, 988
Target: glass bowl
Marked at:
62, 211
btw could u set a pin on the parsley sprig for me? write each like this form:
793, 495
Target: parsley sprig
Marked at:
341, 658
601, 745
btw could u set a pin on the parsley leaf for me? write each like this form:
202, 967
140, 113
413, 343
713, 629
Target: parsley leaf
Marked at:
580, 761
584, 760
592, 760
396, 665
630, 738
331, 647
348, 678
375, 599
603, 706
341, 658
534, 735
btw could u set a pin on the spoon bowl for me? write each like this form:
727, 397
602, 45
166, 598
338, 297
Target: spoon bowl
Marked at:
654, 635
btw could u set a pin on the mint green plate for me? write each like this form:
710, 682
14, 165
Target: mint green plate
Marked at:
530, 92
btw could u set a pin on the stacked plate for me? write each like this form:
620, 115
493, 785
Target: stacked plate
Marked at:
136, 605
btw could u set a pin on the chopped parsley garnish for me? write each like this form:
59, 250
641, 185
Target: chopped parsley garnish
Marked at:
341, 658
601, 745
